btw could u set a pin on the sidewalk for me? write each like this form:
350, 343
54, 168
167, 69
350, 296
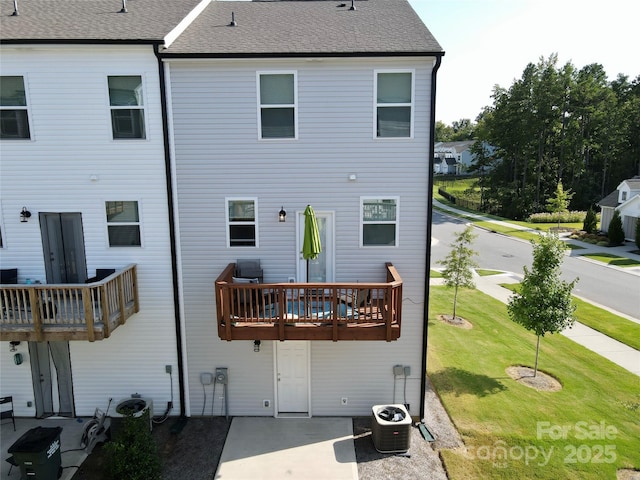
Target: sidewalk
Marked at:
617, 352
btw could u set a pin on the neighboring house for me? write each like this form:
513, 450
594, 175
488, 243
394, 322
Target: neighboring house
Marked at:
455, 157
625, 199
257, 125
83, 150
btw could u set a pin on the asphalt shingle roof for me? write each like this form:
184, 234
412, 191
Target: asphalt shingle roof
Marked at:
610, 200
91, 20
319, 27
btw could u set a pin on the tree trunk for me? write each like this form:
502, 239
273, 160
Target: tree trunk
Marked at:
455, 299
535, 369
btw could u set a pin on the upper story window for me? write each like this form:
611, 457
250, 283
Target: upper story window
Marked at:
623, 196
127, 107
278, 99
379, 221
242, 222
14, 114
394, 104
123, 224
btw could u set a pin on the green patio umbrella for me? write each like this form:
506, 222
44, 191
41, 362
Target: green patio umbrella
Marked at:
311, 245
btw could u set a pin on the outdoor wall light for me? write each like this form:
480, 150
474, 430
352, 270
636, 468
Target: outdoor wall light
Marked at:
256, 345
282, 215
14, 344
25, 215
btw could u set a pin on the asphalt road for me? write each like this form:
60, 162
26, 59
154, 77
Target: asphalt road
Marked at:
606, 286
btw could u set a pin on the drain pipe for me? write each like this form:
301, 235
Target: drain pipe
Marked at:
425, 318
172, 229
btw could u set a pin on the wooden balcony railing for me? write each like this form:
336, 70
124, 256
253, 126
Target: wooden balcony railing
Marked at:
309, 311
46, 312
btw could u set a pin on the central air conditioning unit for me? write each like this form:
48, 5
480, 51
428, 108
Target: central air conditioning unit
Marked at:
391, 428
133, 406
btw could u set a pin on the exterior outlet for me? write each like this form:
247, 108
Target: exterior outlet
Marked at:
344, 400
266, 403
167, 368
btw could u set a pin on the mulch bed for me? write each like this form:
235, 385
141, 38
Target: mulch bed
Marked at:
541, 381
456, 322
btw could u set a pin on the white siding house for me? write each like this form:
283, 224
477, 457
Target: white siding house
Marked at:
332, 158
83, 151
625, 199
172, 139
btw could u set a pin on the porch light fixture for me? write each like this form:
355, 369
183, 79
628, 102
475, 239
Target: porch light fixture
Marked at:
282, 215
256, 345
25, 215
14, 344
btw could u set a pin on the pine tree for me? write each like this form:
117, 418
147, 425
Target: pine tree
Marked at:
590, 224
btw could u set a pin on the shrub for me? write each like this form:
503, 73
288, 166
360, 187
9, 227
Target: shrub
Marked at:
616, 232
590, 224
602, 244
133, 455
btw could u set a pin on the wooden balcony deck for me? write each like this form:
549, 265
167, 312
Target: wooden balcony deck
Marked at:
309, 311
46, 312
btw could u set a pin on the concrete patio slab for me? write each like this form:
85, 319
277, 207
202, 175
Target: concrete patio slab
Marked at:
293, 448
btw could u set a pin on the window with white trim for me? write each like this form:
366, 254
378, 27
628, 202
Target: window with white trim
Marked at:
14, 113
394, 104
127, 107
123, 224
379, 221
242, 224
277, 105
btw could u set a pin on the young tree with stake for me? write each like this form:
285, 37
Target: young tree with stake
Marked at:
544, 303
459, 264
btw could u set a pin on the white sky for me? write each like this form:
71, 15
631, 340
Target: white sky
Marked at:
489, 42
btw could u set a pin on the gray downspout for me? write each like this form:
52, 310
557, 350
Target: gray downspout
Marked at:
172, 230
425, 318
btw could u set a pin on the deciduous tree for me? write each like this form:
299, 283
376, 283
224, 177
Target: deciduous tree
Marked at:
544, 304
459, 264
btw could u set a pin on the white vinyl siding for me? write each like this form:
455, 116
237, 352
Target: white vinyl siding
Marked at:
73, 165
394, 104
14, 112
219, 155
277, 105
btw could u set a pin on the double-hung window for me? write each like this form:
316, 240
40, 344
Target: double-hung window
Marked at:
242, 222
379, 221
14, 114
127, 107
277, 102
394, 104
123, 224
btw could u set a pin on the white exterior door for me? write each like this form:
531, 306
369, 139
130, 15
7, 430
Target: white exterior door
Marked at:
322, 268
292, 376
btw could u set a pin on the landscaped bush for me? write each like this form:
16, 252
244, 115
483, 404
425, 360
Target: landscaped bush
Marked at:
616, 232
133, 455
590, 224
555, 217
602, 244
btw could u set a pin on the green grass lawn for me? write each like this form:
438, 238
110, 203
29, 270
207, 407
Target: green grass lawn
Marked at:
486, 273
611, 259
508, 427
435, 274
602, 320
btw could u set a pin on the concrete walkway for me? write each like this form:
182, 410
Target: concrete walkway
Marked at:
619, 353
293, 448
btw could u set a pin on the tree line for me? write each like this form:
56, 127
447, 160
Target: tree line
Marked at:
554, 124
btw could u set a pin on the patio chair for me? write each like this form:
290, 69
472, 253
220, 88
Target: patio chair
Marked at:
249, 268
11, 461
101, 274
9, 276
7, 413
244, 297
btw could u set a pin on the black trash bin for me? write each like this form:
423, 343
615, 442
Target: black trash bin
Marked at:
37, 453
